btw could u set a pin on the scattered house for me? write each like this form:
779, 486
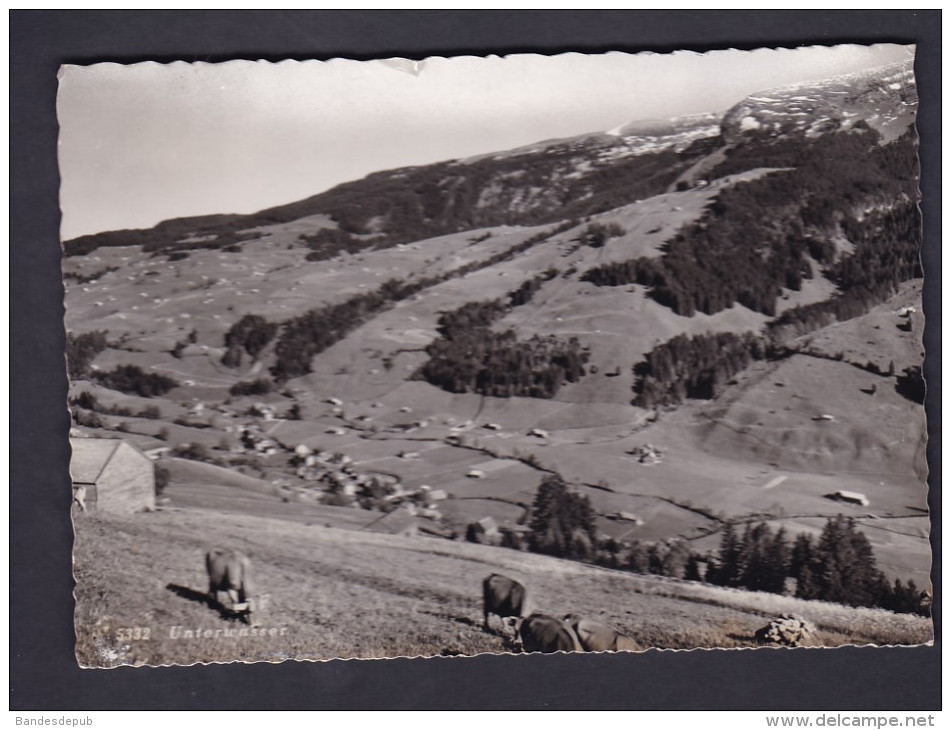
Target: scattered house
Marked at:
493, 427
851, 497
263, 410
906, 311
824, 417
303, 450
334, 402
111, 475
266, 446
475, 474
397, 522
405, 409
515, 536
484, 531
336, 431
437, 494
538, 433
647, 454
156, 453
192, 350
488, 525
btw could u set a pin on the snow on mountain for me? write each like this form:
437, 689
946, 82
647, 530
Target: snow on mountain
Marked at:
884, 98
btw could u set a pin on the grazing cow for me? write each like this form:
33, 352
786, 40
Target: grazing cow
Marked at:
547, 634
596, 635
504, 597
229, 571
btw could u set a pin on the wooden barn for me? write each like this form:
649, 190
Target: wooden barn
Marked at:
111, 475
397, 522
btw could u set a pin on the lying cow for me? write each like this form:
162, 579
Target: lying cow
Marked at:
595, 635
547, 634
229, 571
504, 597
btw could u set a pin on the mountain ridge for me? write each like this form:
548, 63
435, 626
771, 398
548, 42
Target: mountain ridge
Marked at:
578, 174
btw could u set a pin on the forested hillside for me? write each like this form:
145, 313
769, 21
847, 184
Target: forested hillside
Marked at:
760, 236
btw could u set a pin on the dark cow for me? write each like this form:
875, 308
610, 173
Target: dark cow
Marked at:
504, 597
229, 571
595, 635
547, 634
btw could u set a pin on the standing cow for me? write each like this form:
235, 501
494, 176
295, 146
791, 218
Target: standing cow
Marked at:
595, 635
547, 634
229, 571
504, 597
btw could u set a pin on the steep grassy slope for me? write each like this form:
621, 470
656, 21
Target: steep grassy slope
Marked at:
338, 593
875, 431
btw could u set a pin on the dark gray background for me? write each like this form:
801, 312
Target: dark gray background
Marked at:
43, 670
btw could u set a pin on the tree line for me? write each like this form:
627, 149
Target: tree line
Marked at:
700, 367
758, 236
134, 380
89, 402
81, 350
469, 357
693, 367
250, 334
307, 335
887, 253
839, 566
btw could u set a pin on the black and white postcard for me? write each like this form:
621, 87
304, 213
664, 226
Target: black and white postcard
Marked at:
606, 352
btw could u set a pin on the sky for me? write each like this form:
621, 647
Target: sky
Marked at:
146, 142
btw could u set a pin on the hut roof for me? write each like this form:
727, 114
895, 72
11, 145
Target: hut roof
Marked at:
488, 524
90, 457
395, 522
